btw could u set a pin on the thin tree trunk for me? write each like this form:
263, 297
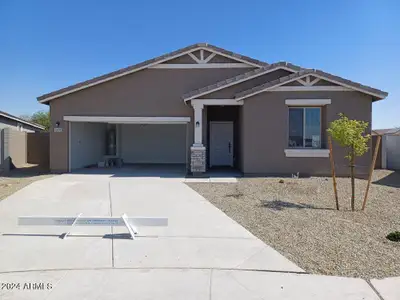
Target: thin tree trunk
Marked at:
378, 141
333, 171
352, 180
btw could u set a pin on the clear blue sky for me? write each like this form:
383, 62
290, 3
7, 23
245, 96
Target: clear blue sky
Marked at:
47, 45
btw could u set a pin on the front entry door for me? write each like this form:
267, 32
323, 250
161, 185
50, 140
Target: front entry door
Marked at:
221, 144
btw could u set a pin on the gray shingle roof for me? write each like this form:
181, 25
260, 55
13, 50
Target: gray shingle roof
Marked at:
11, 117
272, 83
143, 64
378, 94
263, 68
350, 83
239, 78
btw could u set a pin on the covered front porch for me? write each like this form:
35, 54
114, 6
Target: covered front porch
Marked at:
216, 147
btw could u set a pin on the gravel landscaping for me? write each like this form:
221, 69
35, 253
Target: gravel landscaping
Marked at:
297, 218
19, 178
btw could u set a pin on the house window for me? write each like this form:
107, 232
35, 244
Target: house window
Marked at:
304, 127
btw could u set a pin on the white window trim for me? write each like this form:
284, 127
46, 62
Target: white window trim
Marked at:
304, 128
305, 102
307, 152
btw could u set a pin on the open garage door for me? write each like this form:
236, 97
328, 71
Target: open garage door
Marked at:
153, 143
139, 140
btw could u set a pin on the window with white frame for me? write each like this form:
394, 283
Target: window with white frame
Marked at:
304, 127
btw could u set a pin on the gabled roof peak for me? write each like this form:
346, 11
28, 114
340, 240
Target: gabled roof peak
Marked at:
145, 64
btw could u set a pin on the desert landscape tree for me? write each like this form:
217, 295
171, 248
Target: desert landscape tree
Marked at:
40, 117
350, 134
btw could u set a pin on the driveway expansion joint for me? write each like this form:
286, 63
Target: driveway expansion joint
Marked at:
374, 289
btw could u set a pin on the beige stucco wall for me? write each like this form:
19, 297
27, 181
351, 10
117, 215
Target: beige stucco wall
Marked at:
150, 93
38, 149
265, 133
15, 147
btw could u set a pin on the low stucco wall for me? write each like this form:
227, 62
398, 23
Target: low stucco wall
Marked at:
13, 149
38, 148
17, 148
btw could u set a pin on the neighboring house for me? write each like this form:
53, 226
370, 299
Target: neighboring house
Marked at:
10, 121
389, 131
203, 106
389, 148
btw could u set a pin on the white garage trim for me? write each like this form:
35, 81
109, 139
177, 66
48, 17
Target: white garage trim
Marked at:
129, 120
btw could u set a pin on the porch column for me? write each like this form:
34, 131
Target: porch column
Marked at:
198, 151
198, 124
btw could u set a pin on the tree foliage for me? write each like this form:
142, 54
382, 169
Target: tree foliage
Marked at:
40, 117
351, 135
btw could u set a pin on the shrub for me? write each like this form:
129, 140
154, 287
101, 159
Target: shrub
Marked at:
394, 236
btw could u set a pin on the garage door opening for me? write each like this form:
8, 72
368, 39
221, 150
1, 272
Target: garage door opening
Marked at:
145, 142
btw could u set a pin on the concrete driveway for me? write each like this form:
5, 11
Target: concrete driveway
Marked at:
202, 254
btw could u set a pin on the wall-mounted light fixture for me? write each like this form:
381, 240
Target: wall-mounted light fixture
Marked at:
57, 124
197, 124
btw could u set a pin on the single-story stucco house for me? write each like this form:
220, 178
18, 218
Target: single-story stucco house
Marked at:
13, 122
203, 107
